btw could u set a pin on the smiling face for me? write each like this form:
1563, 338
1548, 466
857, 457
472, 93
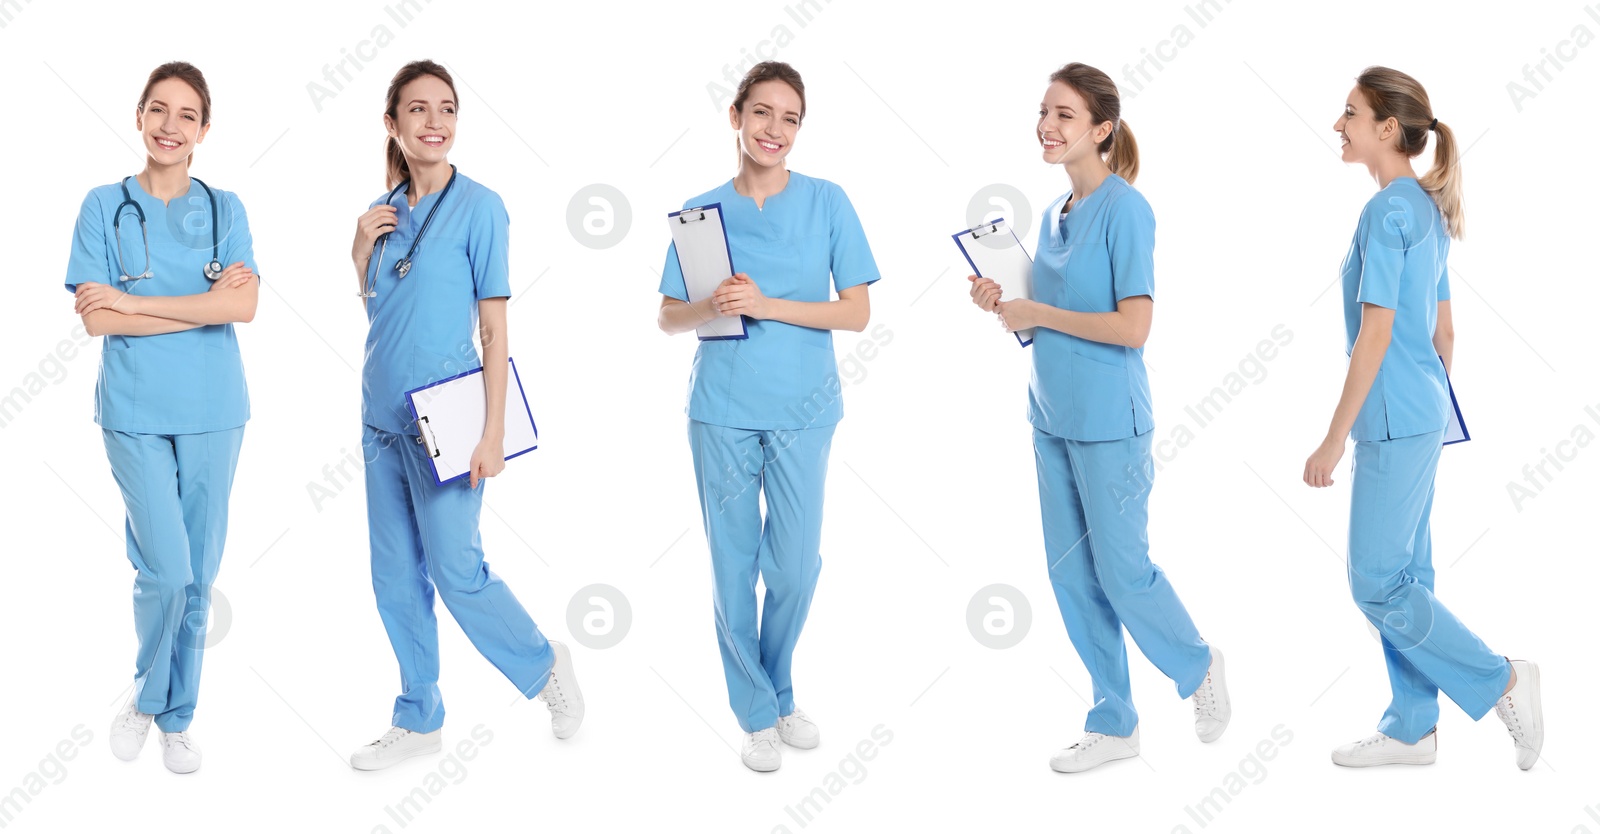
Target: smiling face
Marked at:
424, 121
1066, 130
170, 121
1362, 138
768, 122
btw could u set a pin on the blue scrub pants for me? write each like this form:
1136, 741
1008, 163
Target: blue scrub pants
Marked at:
1391, 577
733, 467
425, 535
175, 488
1094, 497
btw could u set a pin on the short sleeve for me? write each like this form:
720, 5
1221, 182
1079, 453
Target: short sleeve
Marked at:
238, 245
851, 258
88, 259
1444, 282
1131, 242
672, 283
488, 243
1385, 222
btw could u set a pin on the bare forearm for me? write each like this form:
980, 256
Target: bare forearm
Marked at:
105, 322
1113, 328
217, 307
1365, 359
676, 316
841, 314
496, 372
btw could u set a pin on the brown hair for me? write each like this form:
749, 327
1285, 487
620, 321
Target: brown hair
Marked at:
188, 74
1393, 94
1105, 105
768, 71
396, 170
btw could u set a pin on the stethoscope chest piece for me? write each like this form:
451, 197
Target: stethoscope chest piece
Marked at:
213, 270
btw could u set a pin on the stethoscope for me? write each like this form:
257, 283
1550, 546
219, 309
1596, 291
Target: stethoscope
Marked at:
403, 265
213, 269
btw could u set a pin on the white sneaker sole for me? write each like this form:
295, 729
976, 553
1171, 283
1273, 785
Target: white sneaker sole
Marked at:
181, 768
1352, 761
1535, 738
390, 761
1078, 766
800, 743
762, 767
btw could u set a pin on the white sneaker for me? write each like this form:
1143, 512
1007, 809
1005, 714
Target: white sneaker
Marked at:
1212, 708
1379, 749
797, 730
1095, 749
394, 746
1523, 713
561, 694
179, 753
128, 732
761, 751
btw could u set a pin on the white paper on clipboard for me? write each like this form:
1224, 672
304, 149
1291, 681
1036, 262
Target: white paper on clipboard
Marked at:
451, 414
706, 261
994, 252
1455, 429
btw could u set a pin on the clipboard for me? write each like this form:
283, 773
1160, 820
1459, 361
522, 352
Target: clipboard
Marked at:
1455, 429
701, 240
450, 415
1007, 265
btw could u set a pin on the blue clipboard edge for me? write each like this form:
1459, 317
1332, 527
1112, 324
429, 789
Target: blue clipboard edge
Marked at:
959, 245
515, 377
744, 323
1465, 435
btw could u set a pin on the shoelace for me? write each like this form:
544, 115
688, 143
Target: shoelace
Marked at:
1508, 713
769, 737
1205, 698
394, 735
133, 719
178, 739
1374, 739
552, 695
1089, 740
794, 717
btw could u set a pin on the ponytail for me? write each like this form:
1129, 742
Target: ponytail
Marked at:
1123, 158
1443, 180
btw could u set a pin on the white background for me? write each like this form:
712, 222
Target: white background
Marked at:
931, 492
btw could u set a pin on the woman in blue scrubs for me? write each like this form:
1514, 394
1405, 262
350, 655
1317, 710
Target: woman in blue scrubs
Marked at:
1396, 405
431, 266
762, 410
162, 267
1089, 403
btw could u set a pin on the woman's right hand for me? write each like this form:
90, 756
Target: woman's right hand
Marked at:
233, 277
985, 293
378, 221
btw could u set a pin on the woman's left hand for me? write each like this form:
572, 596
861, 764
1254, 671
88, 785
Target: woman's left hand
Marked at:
1018, 314
488, 460
1319, 467
740, 297
92, 296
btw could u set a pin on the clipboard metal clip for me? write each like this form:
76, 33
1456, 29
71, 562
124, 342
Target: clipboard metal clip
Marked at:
424, 435
993, 227
684, 216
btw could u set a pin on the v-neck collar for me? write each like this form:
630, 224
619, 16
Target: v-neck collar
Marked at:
164, 204
762, 207
1058, 220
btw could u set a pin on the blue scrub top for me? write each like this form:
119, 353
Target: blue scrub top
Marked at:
1096, 255
783, 376
171, 383
1397, 260
423, 328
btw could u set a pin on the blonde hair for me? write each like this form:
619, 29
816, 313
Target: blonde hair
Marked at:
1105, 105
1393, 94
